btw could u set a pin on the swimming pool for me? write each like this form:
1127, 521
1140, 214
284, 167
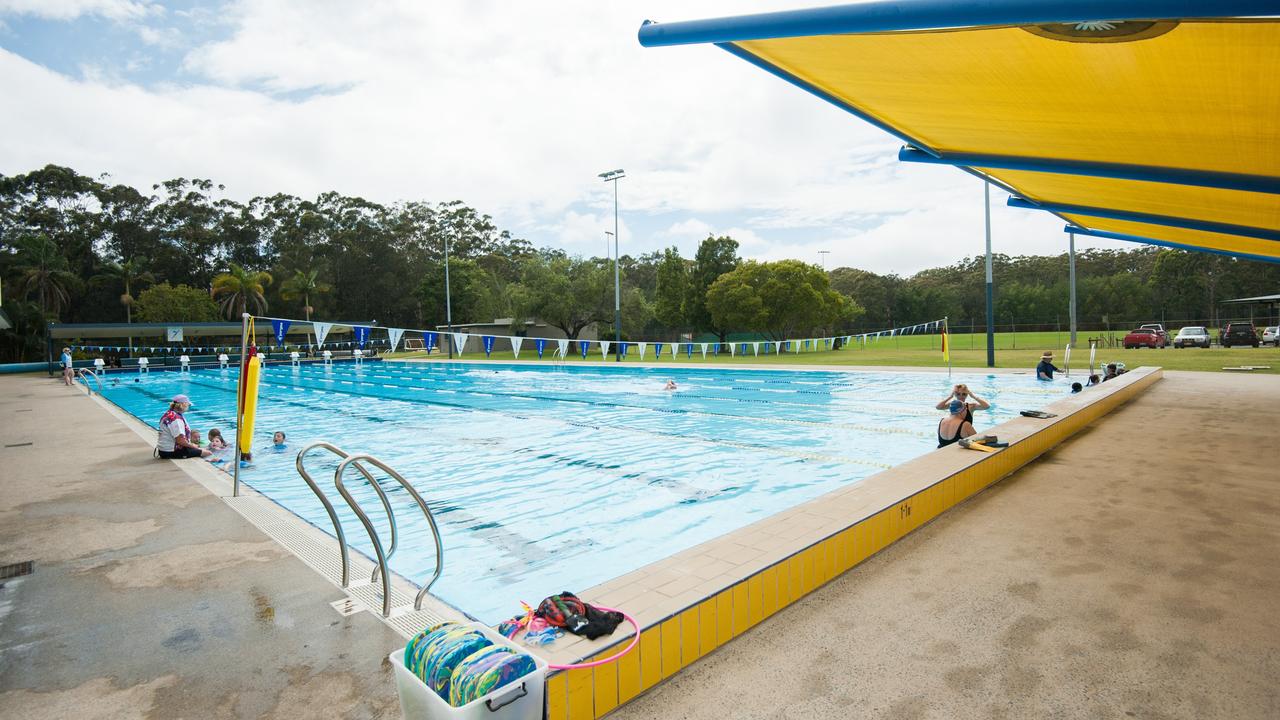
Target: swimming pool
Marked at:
558, 478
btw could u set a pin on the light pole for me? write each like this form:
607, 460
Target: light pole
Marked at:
822, 257
614, 176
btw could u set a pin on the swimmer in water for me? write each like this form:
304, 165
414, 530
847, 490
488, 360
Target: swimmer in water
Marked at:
278, 440
671, 384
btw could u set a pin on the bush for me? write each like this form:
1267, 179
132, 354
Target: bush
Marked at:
167, 303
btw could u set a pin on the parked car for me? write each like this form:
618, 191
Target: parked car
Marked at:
1164, 335
1143, 337
1193, 335
1271, 335
1238, 333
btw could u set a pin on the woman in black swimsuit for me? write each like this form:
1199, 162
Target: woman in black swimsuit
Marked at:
959, 420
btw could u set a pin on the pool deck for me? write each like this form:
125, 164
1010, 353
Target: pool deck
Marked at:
1130, 572
151, 597
1134, 571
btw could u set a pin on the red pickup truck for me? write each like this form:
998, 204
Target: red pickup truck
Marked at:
1144, 337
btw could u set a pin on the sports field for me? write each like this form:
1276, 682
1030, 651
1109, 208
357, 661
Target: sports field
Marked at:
1013, 350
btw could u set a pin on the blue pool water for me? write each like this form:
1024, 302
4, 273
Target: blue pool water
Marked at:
558, 478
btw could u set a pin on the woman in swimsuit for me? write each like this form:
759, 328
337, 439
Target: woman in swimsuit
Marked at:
959, 420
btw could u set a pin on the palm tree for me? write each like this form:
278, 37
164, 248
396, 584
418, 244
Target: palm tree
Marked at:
43, 270
128, 273
301, 285
241, 287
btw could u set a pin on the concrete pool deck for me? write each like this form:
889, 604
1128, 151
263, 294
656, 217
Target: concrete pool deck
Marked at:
1086, 584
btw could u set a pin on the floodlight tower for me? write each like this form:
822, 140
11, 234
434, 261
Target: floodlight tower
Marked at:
614, 176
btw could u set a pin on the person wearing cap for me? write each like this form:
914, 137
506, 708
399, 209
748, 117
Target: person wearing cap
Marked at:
1046, 368
68, 367
959, 420
174, 437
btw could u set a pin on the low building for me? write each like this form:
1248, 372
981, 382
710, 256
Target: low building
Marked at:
500, 329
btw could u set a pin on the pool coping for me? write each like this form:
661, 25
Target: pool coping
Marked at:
695, 601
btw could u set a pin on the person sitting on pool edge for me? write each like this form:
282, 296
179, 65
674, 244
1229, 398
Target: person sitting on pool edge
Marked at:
959, 420
1046, 368
173, 440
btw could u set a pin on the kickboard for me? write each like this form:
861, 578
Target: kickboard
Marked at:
1037, 414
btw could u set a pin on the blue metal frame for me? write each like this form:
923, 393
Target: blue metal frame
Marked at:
905, 15
823, 94
1119, 171
1177, 222
1164, 243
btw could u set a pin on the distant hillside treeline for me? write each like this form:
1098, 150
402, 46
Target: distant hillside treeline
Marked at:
75, 248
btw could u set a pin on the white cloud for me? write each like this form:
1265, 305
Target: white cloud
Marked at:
513, 108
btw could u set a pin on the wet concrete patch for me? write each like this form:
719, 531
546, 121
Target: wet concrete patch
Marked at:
186, 565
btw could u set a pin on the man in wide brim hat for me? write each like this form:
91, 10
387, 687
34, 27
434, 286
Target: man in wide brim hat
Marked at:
1046, 368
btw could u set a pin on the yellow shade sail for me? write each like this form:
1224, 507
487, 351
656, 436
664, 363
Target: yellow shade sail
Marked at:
1152, 126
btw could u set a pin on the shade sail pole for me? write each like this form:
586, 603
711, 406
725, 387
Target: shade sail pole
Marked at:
991, 311
1071, 280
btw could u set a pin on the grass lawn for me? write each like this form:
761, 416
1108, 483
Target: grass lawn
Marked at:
1013, 350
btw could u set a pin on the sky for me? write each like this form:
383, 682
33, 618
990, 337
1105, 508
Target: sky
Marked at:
513, 108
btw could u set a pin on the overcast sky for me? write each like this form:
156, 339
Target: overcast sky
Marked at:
511, 107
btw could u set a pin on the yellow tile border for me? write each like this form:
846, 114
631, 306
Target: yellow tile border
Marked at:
709, 623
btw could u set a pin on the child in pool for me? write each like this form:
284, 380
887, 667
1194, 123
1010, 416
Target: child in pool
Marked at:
216, 442
278, 440
218, 445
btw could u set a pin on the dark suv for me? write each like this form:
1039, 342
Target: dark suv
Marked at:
1238, 333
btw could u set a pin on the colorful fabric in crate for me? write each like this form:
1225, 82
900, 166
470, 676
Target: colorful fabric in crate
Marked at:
449, 654
460, 664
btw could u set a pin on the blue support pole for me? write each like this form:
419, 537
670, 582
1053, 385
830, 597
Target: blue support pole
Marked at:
899, 15
1167, 221
991, 310
1118, 171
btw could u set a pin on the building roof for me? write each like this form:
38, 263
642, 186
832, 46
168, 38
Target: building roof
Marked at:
1153, 121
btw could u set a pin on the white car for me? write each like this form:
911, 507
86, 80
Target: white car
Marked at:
1271, 335
1194, 335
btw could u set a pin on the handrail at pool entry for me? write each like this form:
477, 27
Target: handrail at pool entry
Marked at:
373, 533
82, 372
333, 516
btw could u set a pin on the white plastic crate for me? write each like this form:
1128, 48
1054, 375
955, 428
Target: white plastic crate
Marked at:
519, 700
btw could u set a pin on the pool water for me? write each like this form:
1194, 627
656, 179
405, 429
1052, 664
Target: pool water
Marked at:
558, 478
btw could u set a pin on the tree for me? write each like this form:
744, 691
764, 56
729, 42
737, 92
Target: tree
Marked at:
569, 293
716, 256
128, 273
239, 288
42, 271
303, 284
672, 289
778, 298
468, 285
167, 303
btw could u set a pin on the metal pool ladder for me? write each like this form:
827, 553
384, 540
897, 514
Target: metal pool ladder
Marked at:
359, 461
84, 373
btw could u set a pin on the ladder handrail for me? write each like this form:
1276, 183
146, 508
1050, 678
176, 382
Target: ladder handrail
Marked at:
373, 534
81, 372
333, 516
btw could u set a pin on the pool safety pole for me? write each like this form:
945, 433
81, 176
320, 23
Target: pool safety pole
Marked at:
991, 313
244, 350
946, 342
1067, 361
